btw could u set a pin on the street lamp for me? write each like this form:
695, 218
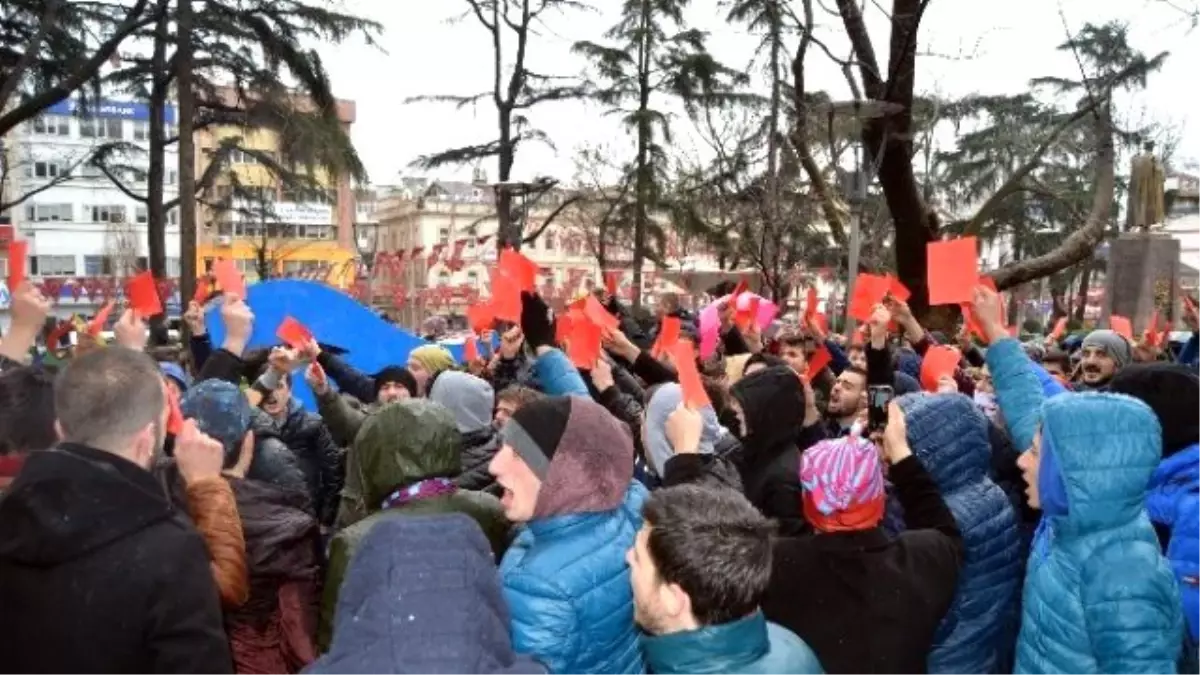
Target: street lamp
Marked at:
854, 186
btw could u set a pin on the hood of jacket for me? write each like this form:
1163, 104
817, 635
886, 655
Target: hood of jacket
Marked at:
772, 401
1098, 452
470, 398
949, 434
282, 538
422, 595
658, 449
1172, 390
403, 443
1174, 477
74, 499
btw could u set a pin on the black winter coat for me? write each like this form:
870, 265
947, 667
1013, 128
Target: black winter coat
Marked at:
99, 573
478, 449
318, 456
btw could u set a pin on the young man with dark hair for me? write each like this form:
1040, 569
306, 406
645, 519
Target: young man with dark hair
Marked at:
511, 399
91, 550
847, 399
26, 418
699, 567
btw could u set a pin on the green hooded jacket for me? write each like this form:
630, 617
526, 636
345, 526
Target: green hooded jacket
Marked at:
399, 445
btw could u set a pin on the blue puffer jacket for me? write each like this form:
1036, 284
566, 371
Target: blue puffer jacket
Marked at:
567, 587
949, 434
1172, 503
557, 376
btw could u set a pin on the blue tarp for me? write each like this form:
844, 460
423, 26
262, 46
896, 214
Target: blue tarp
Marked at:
334, 318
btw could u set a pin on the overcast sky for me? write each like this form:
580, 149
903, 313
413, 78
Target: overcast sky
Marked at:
975, 46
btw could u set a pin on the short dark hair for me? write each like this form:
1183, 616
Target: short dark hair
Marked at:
715, 545
796, 340
26, 411
104, 397
767, 360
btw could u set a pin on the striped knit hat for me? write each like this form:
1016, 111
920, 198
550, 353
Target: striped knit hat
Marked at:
843, 485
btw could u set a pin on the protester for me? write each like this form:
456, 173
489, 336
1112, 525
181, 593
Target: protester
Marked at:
663, 402
847, 400
425, 363
851, 578
175, 377
26, 418
566, 470
98, 573
471, 400
770, 459
699, 568
403, 463
510, 400
510, 366
949, 436
306, 435
1104, 353
422, 596
1098, 596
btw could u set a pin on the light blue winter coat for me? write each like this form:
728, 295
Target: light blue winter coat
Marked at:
567, 587
557, 376
1099, 597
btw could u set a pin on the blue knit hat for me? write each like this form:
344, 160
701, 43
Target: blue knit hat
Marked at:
221, 411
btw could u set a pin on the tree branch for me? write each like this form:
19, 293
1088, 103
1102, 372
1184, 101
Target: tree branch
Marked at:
550, 218
1082, 243
13, 78
44, 99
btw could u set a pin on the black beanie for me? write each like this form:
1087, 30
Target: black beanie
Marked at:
535, 430
1172, 391
397, 374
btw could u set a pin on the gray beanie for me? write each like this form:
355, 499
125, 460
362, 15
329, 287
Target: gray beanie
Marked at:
1113, 343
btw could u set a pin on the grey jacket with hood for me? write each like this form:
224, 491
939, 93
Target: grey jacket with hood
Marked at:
472, 401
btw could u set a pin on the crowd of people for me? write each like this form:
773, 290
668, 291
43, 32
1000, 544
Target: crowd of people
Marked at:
1035, 511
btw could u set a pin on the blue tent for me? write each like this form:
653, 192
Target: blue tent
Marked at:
334, 318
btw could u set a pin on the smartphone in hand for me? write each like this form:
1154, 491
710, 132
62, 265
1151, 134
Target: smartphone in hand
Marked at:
878, 398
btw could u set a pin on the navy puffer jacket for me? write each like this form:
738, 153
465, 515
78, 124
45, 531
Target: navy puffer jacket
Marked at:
949, 435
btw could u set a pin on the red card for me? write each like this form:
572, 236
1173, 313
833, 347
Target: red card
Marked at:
583, 347
17, 252
972, 324
293, 333
897, 289
985, 280
818, 361
479, 316
1121, 325
96, 325
506, 297
612, 278
810, 303
869, 290
1060, 327
174, 414
939, 360
229, 278
953, 270
668, 335
522, 270
694, 395
142, 295
203, 291
598, 315
470, 350
562, 329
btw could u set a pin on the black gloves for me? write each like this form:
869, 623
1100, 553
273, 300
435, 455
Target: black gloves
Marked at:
535, 321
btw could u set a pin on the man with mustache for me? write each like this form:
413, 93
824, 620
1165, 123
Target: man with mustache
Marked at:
1104, 353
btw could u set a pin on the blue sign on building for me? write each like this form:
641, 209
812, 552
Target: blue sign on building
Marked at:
126, 110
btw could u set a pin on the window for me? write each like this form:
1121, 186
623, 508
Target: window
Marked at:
44, 213
52, 125
108, 213
444, 278
100, 128
90, 170
52, 265
172, 177
141, 131
473, 278
173, 267
140, 214
173, 217
168, 131
47, 169
550, 241
444, 236
97, 265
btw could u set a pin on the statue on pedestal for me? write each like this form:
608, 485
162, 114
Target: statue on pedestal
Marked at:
1147, 177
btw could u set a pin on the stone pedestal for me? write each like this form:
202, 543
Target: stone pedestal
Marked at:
1143, 275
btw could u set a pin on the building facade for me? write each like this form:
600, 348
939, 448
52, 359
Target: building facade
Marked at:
272, 231
77, 222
